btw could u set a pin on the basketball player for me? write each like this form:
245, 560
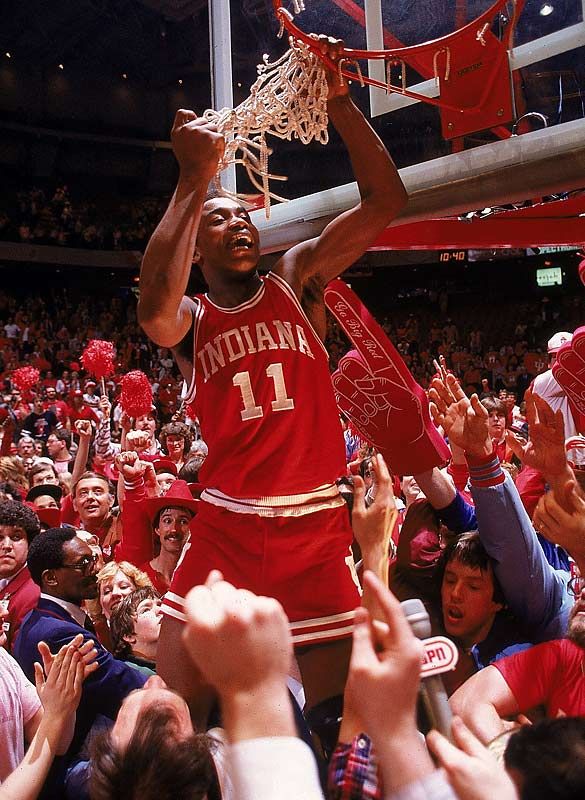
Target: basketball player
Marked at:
251, 350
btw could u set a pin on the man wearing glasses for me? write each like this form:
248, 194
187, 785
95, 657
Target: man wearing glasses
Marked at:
550, 675
64, 567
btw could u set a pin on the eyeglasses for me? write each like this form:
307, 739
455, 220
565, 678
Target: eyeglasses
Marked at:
85, 565
576, 585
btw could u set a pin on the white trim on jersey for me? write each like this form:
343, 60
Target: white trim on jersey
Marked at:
292, 505
288, 290
308, 631
319, 621
172, 604
315, 637
243, 306
199, 311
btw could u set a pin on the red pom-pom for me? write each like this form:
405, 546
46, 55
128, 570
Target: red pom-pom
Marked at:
24, 378
136, 396
98, 358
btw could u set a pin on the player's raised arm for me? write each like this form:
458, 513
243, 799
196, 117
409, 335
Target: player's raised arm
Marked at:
382, 193
163, 311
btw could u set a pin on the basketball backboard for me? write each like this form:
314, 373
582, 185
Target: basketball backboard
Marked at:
545, 80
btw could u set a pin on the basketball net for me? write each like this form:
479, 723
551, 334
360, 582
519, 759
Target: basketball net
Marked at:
288, 100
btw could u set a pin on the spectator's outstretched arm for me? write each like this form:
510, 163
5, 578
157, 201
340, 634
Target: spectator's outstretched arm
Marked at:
60, 694
482, 702
136, 545
384, 677
463, 419
103, 436
453, 510
438, 490
163, 310
473, 772
373, 527
84, 431
564, 523
534, 591
242, 645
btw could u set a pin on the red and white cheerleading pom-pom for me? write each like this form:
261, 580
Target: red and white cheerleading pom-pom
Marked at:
136, 395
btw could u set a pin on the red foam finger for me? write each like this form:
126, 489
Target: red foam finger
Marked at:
395, 415
367, 336
569, 372
354, 403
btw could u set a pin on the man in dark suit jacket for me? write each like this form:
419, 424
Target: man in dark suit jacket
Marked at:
64, 567
18, 527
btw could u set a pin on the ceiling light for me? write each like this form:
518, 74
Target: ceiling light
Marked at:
180, 82
61, 66
7, 54
546, 9
125, 76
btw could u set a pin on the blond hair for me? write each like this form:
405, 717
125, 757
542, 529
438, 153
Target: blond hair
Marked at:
12, 469
139, 578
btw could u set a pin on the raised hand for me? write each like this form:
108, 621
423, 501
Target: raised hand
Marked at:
464, 420
373, 526
130, 465
237, 639
197, 144
332, 49
385, 662
60, 679
564, 522
545, 450
105, 406
472, 770
137, 441
84, 428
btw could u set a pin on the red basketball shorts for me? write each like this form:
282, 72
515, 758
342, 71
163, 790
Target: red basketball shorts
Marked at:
304, 562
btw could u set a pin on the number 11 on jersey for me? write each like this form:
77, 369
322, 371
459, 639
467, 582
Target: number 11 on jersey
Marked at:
280, 403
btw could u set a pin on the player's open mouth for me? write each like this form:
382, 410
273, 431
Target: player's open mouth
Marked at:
242, 240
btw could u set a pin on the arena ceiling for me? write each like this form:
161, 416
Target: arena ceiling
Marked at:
155, 41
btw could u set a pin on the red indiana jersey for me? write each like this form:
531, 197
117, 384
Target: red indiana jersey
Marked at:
263, 394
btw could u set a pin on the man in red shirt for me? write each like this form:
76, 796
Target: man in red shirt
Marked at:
79, 410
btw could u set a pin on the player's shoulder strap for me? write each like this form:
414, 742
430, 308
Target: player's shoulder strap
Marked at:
185, 351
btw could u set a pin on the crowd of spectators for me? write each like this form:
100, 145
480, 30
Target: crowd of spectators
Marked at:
57, 217
94, 516
96, 510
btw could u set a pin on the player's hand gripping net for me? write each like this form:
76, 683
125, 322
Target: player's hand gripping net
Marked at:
288, 100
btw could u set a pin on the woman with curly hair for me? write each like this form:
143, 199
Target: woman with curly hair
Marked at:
176, 439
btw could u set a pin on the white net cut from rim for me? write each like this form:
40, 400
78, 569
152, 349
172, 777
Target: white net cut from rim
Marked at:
288, 100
